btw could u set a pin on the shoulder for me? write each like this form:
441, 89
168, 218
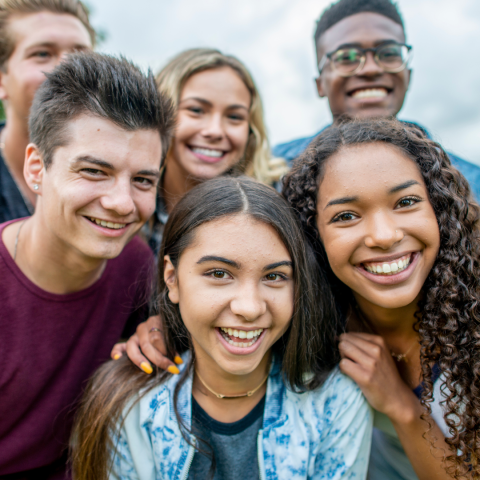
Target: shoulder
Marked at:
290, 150
337, 393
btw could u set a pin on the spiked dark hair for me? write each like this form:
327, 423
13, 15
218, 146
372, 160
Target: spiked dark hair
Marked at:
345, 8
102, 86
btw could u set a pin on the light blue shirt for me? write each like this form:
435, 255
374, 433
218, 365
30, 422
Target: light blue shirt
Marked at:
291, 150
324, 434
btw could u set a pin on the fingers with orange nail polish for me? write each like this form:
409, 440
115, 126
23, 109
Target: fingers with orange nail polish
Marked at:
146, 367
173, 369
178, 360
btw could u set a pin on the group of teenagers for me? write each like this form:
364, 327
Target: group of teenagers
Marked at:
310, 312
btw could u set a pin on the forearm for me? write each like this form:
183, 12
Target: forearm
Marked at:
427, 460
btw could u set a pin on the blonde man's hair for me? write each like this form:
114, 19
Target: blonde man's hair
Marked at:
8, 8
257, 161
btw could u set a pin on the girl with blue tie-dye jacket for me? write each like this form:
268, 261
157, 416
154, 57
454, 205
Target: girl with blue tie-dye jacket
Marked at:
258, 394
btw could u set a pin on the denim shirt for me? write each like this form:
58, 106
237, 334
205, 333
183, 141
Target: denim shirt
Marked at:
321, 434
291, 150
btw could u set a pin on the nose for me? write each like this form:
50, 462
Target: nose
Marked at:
371, 68
119, 199
248, 302
383, 232
213, 128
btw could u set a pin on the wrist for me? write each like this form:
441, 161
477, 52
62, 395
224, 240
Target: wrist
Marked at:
406, 410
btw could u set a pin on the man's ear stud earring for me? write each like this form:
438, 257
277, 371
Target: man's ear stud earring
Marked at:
35, 187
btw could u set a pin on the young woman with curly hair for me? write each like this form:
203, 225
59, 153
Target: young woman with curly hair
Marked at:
395, 231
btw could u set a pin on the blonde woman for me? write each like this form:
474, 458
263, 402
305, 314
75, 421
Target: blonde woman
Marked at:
220, 129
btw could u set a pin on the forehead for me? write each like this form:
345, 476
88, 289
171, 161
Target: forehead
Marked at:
217, 84
366, 170
241, 238
366, 29
63, 30
91, 136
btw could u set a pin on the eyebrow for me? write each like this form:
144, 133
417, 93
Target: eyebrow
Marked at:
397, 188
104, 164
210, 104
286, 263
78, 46
341, 201
359, 45
215, 258
403, 186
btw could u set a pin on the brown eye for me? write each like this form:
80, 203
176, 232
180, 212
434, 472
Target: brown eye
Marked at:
271, 276
218, 274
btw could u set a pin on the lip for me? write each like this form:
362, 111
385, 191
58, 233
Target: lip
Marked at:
108, 232
241, 350
391, 279
204, 158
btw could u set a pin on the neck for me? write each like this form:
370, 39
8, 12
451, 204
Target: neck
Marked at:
228, 409
15, 138
176, 183
51, 264
395, 325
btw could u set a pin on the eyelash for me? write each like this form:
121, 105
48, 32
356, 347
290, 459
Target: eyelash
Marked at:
337, 218
96, 173
212, 272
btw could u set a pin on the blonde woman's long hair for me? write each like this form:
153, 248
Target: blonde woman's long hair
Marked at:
257, 161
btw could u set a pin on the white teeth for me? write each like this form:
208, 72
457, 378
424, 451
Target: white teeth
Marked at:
103, 223
370, 93
207, 152
389, 268
252, 334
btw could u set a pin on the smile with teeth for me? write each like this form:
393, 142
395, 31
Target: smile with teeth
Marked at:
208, 152
103, 223
389, 268
370, 93
230, 335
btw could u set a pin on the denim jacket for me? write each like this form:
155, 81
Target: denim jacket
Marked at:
324, 434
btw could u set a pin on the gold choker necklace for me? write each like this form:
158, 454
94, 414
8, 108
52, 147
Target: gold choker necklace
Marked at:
219, 395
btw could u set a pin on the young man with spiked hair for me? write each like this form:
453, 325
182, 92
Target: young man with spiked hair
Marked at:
74, 277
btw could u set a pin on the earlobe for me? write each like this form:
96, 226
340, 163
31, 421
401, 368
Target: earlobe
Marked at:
320, 90
33, 168
170, 278
3, 92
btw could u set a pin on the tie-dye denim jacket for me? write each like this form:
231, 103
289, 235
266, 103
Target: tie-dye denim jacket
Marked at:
323, 434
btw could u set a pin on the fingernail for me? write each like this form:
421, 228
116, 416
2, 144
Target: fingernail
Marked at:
117, 356
173, 369
147, 368
178, 360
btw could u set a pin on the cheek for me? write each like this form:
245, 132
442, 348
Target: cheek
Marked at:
186, 128
145, 203
238, 137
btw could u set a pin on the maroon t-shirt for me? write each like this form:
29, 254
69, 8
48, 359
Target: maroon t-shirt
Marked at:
50, 345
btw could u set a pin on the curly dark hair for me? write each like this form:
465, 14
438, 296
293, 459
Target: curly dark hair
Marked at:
448, 315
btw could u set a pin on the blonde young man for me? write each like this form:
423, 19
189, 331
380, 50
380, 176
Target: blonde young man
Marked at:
35, 35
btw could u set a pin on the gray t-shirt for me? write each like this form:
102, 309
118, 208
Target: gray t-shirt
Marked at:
233, 444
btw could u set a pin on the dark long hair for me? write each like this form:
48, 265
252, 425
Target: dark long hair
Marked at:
448, 314
307, 346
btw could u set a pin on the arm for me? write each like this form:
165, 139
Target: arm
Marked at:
344, 450
367, 360
147, 344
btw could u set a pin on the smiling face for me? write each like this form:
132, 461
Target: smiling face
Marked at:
234, 287
41, 41
371, 92
100, 188
377, 225
212, 124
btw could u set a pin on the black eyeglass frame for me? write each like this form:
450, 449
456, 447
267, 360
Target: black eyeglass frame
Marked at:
363, 59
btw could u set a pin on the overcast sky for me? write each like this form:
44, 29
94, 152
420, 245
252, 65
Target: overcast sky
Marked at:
274, 39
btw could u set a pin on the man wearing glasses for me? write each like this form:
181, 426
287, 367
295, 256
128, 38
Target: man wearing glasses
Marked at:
363, 69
